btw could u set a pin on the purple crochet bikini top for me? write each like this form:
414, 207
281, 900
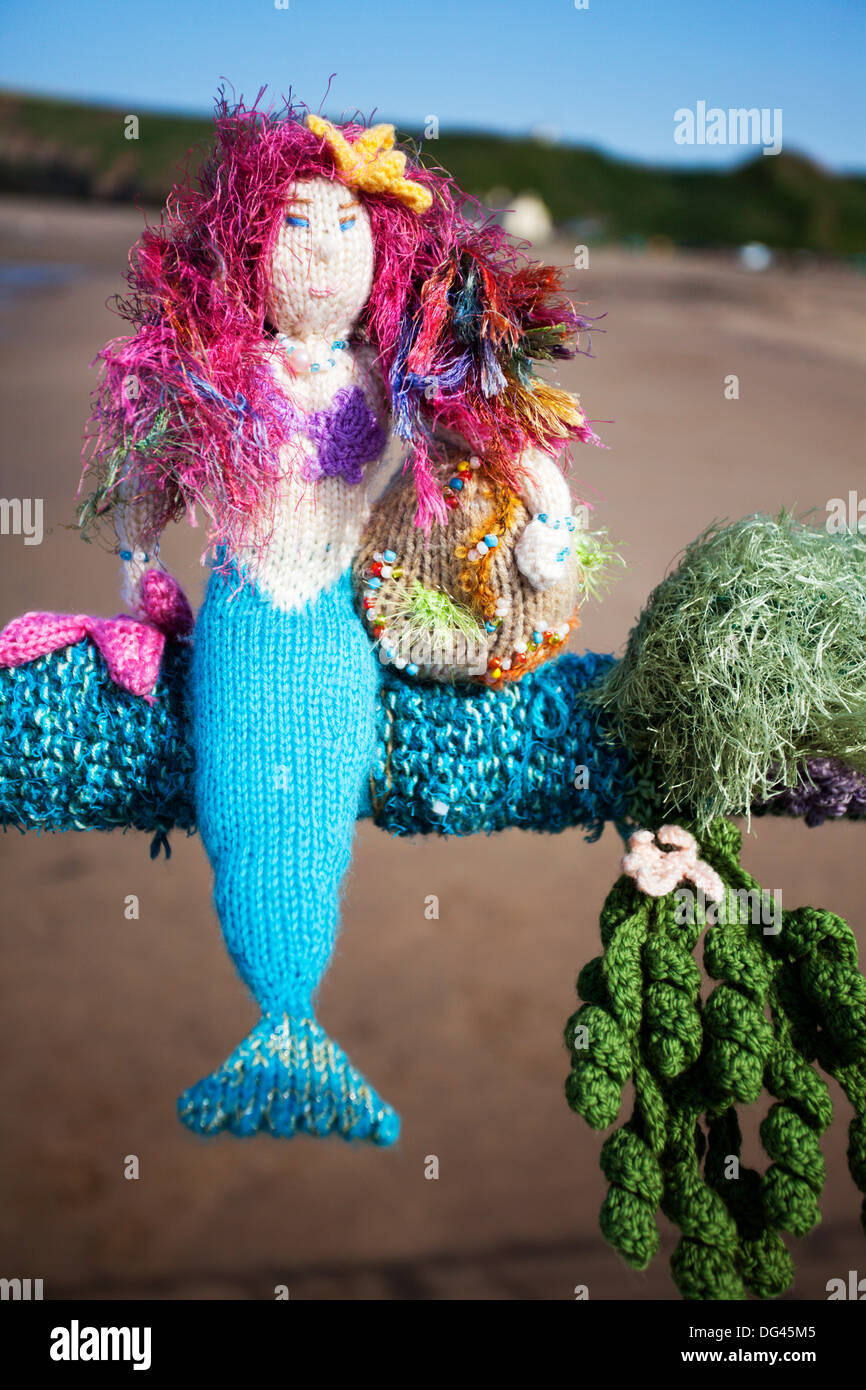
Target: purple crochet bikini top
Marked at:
347, 435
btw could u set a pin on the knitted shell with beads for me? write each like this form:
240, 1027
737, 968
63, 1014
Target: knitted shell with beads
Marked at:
453, 604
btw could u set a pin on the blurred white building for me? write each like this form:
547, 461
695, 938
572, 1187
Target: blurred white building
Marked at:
528, 219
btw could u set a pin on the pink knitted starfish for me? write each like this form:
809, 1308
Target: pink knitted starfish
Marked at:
132, 649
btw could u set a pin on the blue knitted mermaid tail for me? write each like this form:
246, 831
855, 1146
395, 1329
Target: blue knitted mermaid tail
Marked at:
287, 1077
284, 709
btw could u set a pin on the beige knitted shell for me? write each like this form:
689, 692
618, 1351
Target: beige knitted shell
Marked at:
528, 627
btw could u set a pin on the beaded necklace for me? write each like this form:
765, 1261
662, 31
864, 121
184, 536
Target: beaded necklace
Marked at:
300, 358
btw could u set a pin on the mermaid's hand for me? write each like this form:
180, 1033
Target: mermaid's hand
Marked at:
543, 548
163, 602
152, 595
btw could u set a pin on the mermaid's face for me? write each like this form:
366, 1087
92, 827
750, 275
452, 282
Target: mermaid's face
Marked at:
322, 267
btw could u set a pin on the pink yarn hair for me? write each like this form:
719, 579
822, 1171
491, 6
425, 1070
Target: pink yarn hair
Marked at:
188, 405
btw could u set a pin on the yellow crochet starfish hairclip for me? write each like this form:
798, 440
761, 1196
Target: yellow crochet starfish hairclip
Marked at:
371, 163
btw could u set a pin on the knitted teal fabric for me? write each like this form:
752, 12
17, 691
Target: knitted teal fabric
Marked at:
77, 753
283, 718
456, 759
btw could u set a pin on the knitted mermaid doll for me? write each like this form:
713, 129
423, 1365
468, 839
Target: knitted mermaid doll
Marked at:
313, 291
309, 293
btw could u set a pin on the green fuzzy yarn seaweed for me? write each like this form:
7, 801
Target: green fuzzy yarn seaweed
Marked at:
785, 1004
431, 613
747, 660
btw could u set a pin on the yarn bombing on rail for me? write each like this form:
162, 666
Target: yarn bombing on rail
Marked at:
315, 304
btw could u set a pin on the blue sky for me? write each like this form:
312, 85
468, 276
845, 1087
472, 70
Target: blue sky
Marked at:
610, 75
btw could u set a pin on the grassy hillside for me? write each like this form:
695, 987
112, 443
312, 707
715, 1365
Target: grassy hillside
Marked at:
65, 149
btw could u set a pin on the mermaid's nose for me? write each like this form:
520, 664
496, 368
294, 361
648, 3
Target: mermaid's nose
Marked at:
325, 247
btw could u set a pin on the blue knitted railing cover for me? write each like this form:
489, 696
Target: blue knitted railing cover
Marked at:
76, 752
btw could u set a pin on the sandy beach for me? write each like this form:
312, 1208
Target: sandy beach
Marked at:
457, 1021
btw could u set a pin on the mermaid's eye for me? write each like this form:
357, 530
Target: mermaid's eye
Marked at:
346, 224
292, 221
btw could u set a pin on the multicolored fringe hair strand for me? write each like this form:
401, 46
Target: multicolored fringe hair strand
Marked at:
188, 406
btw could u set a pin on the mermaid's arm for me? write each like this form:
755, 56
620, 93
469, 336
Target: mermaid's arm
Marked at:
137, 527
544, 544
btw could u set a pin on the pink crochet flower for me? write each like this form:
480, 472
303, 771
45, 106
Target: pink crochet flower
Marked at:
658, 871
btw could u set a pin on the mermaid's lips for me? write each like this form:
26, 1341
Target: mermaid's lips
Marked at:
325, 292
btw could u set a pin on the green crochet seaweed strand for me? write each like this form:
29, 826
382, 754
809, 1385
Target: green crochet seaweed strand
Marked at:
783, 1005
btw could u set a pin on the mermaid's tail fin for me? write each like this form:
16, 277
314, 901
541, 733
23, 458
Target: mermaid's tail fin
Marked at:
287, 1077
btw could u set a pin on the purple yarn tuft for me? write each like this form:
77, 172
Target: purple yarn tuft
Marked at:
826, 790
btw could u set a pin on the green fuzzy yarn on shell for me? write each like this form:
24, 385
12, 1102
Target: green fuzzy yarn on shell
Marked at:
786, 1004
433, 614
747, 660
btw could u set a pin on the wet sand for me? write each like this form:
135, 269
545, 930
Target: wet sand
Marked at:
457, 1021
